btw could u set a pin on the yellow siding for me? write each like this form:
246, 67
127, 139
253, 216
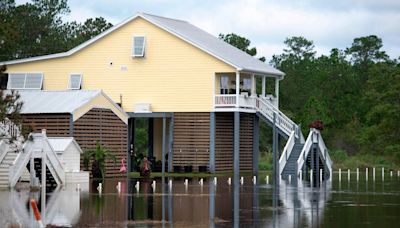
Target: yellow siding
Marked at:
174, 76
100, 102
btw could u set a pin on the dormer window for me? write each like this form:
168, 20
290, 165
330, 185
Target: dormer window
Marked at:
139, 44
25, 81
75, 81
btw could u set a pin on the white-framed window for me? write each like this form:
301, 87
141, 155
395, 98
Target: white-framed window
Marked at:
75, 81
25, 81
139, 45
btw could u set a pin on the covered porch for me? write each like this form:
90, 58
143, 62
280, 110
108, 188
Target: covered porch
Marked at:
232, 90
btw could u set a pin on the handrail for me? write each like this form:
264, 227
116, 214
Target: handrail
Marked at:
322, 148
287, 150
284, 122
55, 162
18, 166
304, 152
3, 150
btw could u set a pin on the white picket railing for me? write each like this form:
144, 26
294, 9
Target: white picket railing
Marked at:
225, 100
286, 152
325, 154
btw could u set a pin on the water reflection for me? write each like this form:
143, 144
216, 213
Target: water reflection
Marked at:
210, 205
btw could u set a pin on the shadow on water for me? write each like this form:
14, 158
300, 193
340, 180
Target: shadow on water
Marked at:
340, 204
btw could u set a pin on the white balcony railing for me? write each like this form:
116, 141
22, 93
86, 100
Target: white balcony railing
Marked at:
226, 100
264, 106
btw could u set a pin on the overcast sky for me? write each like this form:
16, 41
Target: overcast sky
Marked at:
329, 23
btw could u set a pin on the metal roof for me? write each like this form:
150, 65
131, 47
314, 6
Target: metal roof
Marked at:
60, 144
48, 101
212, 45
189, 33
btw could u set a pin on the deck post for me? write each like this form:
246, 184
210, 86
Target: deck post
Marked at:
277, 92
212, 143
256, 138
236, 147
236, 157
237, 88
253, 85
275, 145
164, 142
263, 86
171, 143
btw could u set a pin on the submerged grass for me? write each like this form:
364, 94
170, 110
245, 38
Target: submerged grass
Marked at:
200, 175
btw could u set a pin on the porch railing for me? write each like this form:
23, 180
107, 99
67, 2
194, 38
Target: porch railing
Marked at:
284, 123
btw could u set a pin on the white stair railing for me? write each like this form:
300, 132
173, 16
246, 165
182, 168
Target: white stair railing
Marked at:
304, 152
286, 152
35, 148
19, 164
307, 148
3, 150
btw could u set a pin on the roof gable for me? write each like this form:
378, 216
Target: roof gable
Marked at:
187, 32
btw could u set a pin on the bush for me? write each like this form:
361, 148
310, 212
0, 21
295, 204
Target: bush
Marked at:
338, 155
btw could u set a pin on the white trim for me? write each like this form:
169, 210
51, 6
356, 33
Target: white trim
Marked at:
80, 81
133, 46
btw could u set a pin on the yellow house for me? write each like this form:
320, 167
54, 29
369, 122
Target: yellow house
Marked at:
198, 92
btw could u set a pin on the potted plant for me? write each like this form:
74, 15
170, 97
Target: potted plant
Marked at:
98, 157
317, 124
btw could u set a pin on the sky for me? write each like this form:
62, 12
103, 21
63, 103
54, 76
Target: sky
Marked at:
266, 23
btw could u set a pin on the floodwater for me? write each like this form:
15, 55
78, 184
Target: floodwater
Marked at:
335, 204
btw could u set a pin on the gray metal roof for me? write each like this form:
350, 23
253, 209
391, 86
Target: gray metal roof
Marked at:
60, 144
47, 101
189, 33
213, 45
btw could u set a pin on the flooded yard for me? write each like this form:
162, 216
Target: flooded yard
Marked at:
336, 204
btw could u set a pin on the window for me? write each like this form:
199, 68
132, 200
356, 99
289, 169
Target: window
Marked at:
139, 43
25, 81
75, 81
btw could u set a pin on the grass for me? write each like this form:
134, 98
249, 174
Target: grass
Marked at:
342, 161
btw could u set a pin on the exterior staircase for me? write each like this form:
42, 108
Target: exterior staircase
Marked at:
14, 165
290, 167
4, 168
294, 158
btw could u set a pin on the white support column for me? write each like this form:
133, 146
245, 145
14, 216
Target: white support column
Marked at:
263, 86
277, 91
253, 85
237, 88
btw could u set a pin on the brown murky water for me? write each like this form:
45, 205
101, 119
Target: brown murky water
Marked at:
335, 204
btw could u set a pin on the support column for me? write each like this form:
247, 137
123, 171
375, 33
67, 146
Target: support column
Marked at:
150, 137
253, 85
171, 143
256, 139
164, 144
237, 88
277, 91
131, 144
275, 146
263, 86
236, 147
212, 143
